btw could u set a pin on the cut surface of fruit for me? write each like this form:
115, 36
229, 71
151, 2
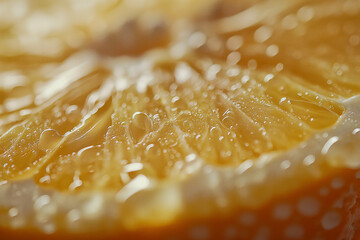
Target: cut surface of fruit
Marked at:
155, 120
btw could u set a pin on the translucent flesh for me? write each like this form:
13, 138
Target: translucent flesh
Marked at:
213, 109
83, 116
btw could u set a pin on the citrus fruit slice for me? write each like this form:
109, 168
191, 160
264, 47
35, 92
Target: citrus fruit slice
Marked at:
216, 120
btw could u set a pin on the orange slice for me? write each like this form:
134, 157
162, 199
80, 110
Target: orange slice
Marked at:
194, 120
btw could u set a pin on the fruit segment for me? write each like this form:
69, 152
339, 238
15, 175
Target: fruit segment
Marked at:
165, 117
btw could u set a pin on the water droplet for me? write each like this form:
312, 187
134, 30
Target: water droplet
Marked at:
262, 34
337, 183
355, 131
133, 167
245, 79
233, 72
234, 43
150, 147
309, 159
197, 39
141, 124
89, 152
179, 103
73, 215
233, 58
289, 22
331, 220
183, 72
49, 139
213, 71
308, 206
139, 183
279, 67
45, 179
285, 164
13, 212
45, 209
48, 228
244, 166
268, 77
76, 183
305, 14
191, 157
272, 50
328, 145
41, 202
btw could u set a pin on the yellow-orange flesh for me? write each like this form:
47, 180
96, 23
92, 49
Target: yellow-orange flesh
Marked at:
164, 103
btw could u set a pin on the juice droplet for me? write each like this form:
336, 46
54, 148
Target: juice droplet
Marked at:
89, 152
179, 103
329, 144
355, 131
49, 139
141, 124
87, 157
262, 34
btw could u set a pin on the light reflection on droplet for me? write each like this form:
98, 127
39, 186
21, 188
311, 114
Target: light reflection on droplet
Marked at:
234, 43
232, 72
137, 184
49, 138
13, 212
183, 72
41, 202
268, 77
132, 167
233, 58
272, 50
213, 71
355, 131
285, 164
197, 39
262, 34
305, 14
73, 215
279, 67
328, 144
141, 124
309, 159
289, 22
308, 206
